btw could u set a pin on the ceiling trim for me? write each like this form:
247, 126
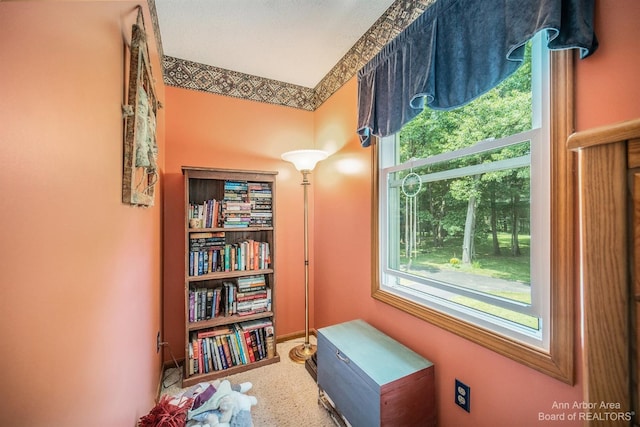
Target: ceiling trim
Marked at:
195, 76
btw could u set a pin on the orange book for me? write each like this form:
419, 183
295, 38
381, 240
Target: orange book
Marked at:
213, 333
249, 345
227, 351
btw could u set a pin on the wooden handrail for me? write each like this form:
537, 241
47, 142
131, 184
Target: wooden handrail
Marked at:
608, 134
606, 154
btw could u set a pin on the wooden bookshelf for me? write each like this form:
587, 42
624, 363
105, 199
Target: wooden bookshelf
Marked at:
229, 280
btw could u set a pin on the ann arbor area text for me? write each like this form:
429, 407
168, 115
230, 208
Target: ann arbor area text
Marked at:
586, 405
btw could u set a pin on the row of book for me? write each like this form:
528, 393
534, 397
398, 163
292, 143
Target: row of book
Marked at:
203, 241
205, 214
228, 299
260, 197
237, 208
245, 204
256, 211
208, 253
209, 303
236, 214
227, 346
236, 191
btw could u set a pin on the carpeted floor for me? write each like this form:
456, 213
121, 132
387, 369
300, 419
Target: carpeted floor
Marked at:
287, 395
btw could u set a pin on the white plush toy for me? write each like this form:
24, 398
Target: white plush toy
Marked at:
208, 420
228, 406
233, 404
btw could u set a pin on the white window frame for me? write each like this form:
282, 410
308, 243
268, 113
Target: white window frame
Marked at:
550, 351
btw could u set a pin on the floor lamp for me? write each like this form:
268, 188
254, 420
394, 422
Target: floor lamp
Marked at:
304, 161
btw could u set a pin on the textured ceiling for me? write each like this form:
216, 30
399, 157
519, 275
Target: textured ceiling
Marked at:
292, 41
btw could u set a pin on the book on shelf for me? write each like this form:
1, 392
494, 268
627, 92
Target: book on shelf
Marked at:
236, 214
229, 298
215, 353
220, 352
213, 256
204, 303
215, 356
203, 241
259, 190
190, 356
205, 355
260, 197
244, 204
223, 347
247, 346
204, 252
205, 214
255, 331
208, 333
254, 306
270, 341
209, 303
251, 295
256, 337
197, 361
236, 190
242, 345
253, 282
232, 207
236, 209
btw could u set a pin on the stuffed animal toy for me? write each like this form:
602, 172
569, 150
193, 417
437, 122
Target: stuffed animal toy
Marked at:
233, 404
208, 419
220, 404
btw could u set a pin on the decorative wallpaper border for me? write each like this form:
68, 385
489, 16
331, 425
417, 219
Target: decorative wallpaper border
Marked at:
196, 76
192, 75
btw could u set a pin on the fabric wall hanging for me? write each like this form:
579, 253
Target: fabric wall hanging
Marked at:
140, 171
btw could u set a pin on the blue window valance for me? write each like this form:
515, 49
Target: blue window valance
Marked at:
459, 49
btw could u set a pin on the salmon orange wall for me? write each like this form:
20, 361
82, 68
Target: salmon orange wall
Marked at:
80, 272
608, 83
209, 130
504, 393
343, 290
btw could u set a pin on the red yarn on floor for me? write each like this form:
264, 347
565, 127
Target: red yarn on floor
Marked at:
166, 414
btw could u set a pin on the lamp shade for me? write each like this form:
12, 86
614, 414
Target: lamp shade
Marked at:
304, 159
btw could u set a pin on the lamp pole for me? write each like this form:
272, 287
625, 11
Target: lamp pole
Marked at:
302, 352
305, 161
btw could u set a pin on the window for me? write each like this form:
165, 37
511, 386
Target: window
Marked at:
472, 228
